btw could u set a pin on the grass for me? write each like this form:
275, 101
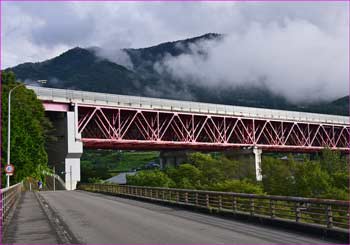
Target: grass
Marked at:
117, 161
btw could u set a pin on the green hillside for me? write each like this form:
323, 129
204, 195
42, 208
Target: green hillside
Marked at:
79, 68
82, 69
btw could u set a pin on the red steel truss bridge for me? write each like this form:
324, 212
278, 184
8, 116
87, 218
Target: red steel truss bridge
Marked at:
129, 122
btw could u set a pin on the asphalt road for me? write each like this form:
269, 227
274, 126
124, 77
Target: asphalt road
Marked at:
95, 218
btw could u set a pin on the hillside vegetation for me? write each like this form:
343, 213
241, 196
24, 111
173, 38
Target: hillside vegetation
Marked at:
103, 164
325, 177
29, 131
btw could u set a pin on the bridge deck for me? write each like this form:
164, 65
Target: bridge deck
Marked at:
104, 99
129, 122
96, 218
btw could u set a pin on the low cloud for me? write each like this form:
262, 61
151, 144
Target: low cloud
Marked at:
296, 59
115, 55
297, 49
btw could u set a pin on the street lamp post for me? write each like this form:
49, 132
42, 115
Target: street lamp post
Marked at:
9, 127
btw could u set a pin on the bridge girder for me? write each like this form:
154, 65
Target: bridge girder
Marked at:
128, 128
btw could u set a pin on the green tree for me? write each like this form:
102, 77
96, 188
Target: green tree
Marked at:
155, 178
332, 161
277, 176
311, 180
238, 186
326, 177
233, 169
29, 131
185, 176
210, 168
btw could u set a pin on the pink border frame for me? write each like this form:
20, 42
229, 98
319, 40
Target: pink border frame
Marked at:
162, 1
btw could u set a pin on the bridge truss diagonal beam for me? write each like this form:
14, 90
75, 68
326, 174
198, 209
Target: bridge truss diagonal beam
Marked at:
118, 127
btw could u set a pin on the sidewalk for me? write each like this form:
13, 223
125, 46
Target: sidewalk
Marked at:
29, 224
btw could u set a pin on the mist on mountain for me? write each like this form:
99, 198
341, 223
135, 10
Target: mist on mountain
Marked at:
186, 70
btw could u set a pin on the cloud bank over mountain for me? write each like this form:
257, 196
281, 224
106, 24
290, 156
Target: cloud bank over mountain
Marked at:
297, 59
297, 49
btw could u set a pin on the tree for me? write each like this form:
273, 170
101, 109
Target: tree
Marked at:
185, 176
277, 176
154, 178
320, 178
29, 131
326, 177
332, 162
311, 180
238, 186
210, 168
234, 169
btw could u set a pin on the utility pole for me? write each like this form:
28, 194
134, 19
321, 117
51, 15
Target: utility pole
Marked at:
9, 135
70, 175
54, 179
9, 127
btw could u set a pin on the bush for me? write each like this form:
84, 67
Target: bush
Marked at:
306, 178
96, 180
278, 176
155, 178
185, 176
238, 186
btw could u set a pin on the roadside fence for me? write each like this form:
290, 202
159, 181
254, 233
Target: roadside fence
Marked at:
9, 198
330, 214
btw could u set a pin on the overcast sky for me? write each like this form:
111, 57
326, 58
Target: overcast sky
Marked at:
271, 39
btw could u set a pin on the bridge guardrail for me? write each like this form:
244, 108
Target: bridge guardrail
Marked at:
187, 106
9, 197
330, 214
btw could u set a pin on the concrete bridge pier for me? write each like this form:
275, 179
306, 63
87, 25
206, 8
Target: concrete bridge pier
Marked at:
65, 153
257, 152
172, 158
74, 151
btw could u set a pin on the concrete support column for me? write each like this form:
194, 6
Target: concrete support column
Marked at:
172, 158
257, 153
161, 163
72, 172
74, 151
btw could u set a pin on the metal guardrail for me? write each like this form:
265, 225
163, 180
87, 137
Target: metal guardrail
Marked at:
330, 214
9, 197
75, 96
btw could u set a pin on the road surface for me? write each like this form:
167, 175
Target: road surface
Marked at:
96, 218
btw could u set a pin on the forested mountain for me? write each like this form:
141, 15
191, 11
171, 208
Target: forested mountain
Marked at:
85, 69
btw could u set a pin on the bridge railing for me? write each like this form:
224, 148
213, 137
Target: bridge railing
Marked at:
330, 214
68, 96
9, 197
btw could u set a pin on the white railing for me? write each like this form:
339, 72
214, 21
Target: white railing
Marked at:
75, 96
9, 197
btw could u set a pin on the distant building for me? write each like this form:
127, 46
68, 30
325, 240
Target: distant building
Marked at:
120, 178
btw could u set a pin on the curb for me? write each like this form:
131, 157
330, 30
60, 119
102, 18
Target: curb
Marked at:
65, 236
